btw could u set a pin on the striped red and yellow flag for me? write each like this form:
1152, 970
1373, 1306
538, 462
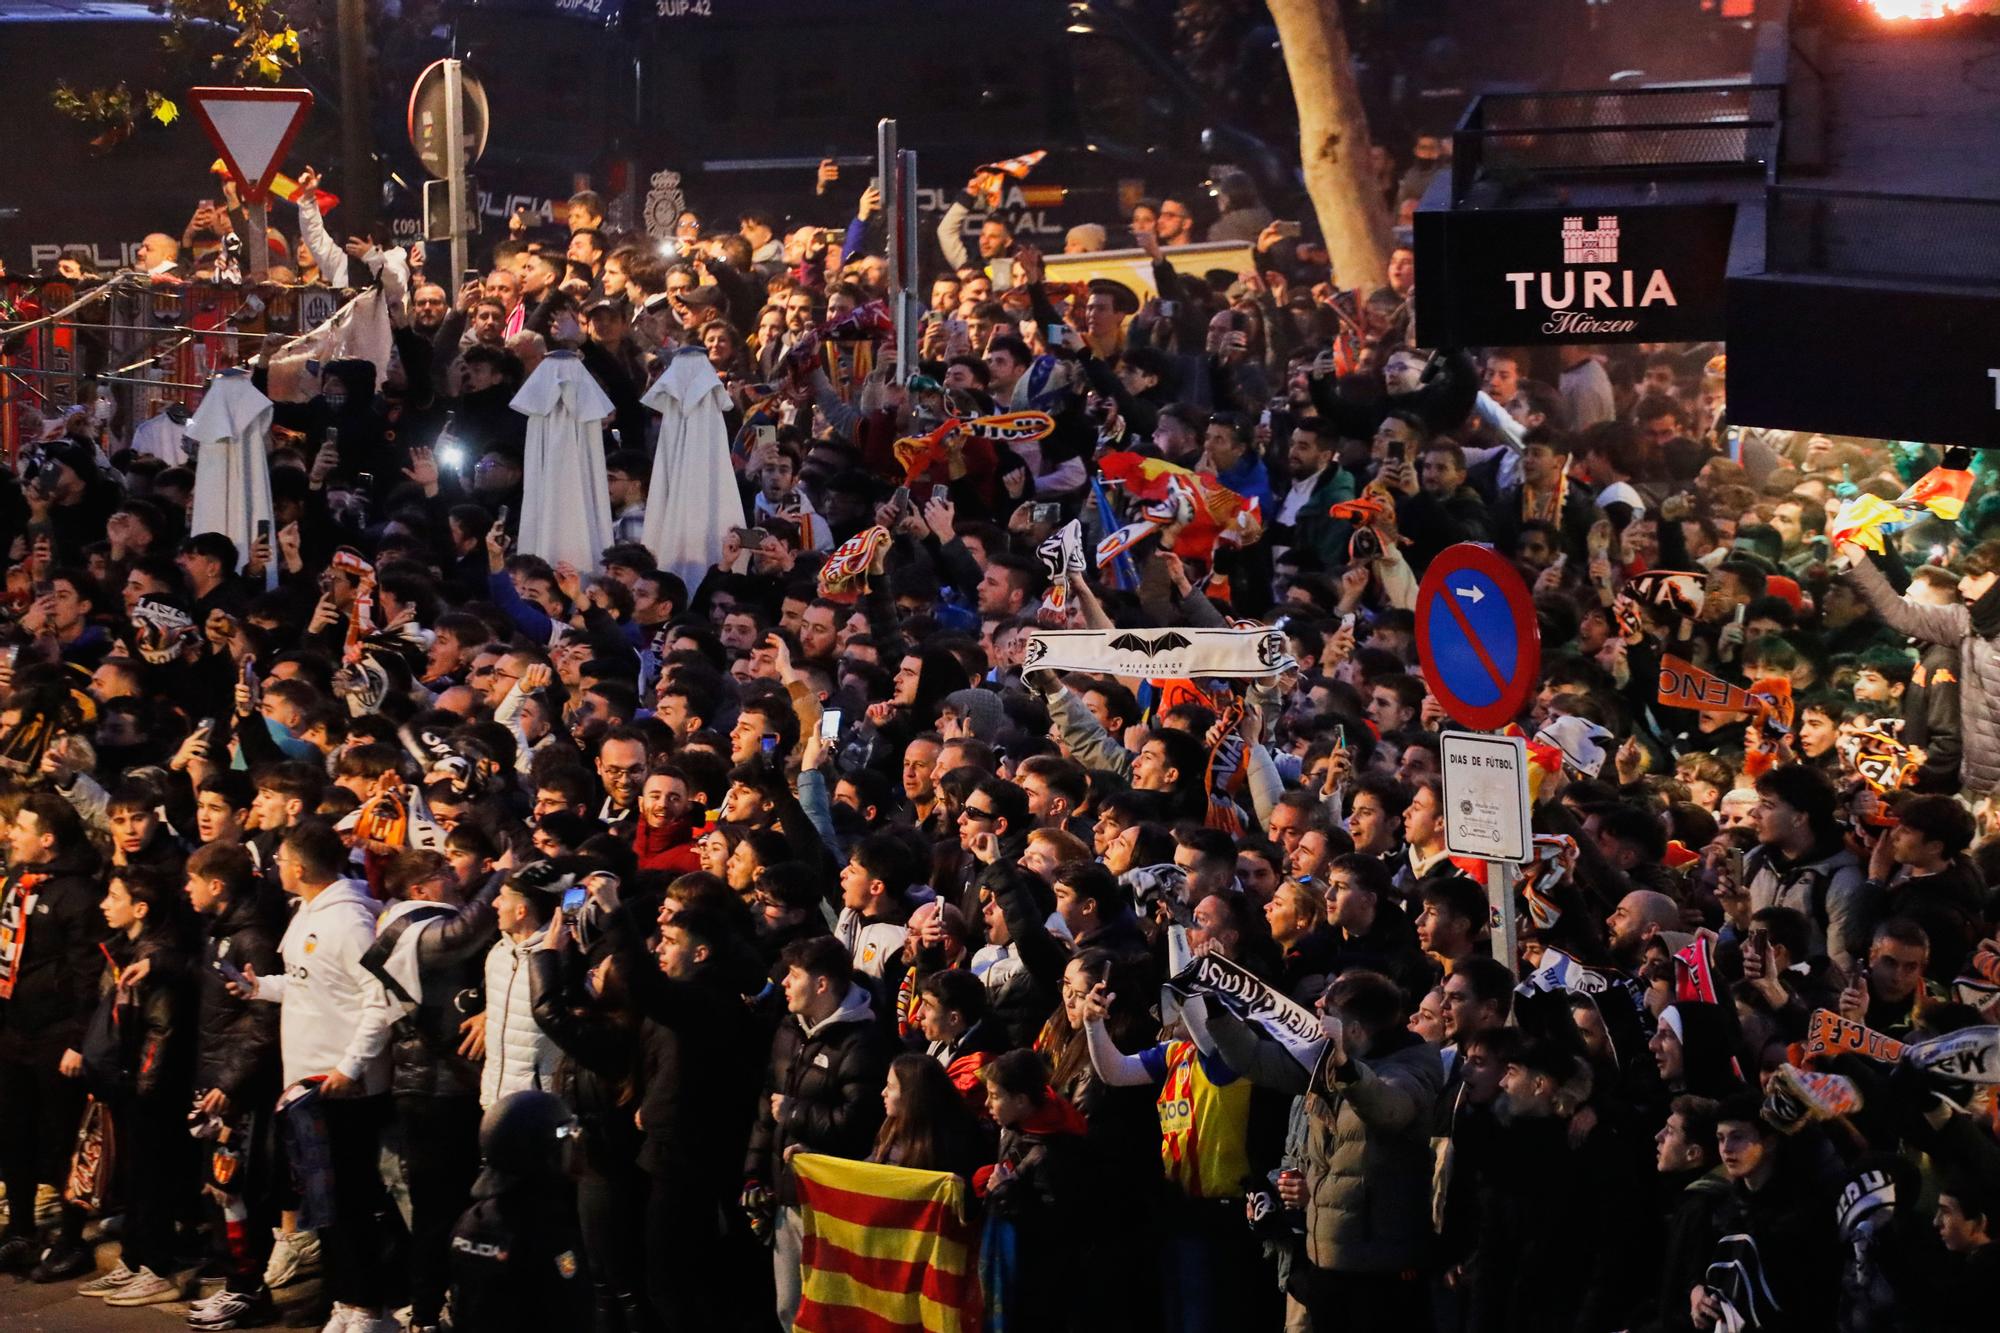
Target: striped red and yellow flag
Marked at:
886, 1249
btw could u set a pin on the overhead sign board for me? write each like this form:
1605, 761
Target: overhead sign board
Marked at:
1478, 643
1930, 372
252, 128
1486, 810
1523, 276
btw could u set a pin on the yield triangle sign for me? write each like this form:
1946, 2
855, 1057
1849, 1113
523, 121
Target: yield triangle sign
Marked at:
252, 128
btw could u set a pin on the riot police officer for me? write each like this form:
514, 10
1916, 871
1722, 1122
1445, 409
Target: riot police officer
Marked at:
515, 1259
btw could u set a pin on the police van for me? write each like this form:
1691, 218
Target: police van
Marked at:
712, 106
60, 192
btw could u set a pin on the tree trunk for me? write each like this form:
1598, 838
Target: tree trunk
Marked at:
1333, 141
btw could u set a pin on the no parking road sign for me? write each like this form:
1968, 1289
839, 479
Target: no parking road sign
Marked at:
1477, 641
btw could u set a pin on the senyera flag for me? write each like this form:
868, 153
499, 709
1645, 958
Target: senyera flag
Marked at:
886, 1249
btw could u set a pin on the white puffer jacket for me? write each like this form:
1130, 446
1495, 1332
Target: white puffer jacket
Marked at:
518, 1053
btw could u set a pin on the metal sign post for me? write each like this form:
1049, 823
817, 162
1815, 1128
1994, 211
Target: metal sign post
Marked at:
909, 306
258, 242
1487, 815
455, 161
1506, 939
888, 174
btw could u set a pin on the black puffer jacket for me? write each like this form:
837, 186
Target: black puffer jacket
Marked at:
451, 956
598, 1075
237, 1050
55, 974
831, 1077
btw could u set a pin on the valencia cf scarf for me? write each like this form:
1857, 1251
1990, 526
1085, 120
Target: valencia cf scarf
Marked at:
1694, 972
844, 576
1061, 554
17, 908
1828, 1034
990, 182
1794, 1098
1553, 858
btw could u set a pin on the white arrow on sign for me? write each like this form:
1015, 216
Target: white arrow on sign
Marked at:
1475, 594
251, 128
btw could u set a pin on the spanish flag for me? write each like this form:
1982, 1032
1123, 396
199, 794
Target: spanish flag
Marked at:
886, 1249
1945, 488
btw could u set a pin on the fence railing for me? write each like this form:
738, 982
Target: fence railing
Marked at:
1815, 231
146, 343
1646, 131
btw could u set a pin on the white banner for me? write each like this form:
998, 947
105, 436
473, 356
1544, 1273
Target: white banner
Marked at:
1161, 654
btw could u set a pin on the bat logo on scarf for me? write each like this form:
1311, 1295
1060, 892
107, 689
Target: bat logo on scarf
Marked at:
1139, 643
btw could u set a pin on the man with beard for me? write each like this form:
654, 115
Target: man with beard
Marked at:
1318, 483
428, 304
621, 768
1640, 915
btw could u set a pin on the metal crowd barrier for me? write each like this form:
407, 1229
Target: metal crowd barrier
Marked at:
146, 343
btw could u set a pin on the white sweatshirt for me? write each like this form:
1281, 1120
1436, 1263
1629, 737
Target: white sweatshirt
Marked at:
328, 1022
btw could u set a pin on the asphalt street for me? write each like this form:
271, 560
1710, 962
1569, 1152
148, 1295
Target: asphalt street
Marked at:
26, 1307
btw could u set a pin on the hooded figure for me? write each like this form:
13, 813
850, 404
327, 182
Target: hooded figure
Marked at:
565, 499
979, 712
232, 485
1695, 1049
692, 501
943, 675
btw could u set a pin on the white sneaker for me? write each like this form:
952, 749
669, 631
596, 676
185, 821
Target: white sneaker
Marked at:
148, 1288
101, 1287
293, 1255
354, 1319
227, 1309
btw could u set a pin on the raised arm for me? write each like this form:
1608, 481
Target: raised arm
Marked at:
1932, 624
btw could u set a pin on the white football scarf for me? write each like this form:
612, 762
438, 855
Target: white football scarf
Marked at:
1162, 654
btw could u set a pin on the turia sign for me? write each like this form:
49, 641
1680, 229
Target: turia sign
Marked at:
1514, 277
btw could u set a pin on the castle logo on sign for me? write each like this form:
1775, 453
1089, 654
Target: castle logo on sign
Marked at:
1590, 247
1587, 283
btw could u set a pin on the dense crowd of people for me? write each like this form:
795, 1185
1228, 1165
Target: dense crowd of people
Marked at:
489, 935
